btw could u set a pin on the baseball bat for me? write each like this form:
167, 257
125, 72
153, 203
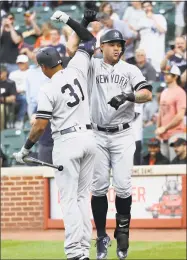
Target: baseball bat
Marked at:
28, 159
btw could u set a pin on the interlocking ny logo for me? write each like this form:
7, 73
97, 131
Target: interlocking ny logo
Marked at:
116, 34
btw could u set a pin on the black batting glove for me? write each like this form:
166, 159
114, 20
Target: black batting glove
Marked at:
89, 16
117, 101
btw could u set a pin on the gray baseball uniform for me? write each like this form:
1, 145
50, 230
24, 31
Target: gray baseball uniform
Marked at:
65, 102
114, 150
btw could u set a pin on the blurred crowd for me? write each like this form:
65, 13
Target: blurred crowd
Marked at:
162, 63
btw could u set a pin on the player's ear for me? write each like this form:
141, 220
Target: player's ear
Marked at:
101, 47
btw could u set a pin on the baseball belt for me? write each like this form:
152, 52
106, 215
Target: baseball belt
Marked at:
73, 129
113, 129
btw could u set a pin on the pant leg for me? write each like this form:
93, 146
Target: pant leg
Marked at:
21, 100
101, 176
70, 150
67, 183
164, 148
122, 150
137, 154
84, 193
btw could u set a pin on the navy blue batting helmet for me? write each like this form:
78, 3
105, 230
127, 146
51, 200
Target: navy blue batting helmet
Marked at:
113, 36
49, 57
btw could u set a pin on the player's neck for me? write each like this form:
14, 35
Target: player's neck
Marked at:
109, 62
55, 70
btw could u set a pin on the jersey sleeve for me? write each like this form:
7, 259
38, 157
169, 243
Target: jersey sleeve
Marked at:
45, 105
137, 79
80, 61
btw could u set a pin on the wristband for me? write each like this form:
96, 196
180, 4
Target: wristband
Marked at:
29, 144
130, 97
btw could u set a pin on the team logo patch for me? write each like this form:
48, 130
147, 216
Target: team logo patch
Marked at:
116, 34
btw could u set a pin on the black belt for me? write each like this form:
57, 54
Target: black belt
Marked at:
112, 129
73, 129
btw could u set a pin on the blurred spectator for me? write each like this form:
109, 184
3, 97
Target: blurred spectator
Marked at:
66, 32
106, 8
133, 14
150, 109
185, 16
30, 30
172, 109
95, 28
179, 18
3, 159
184, 80
179, 146
55, 42
34, 79
10, 39
146, 68
176, 56
7, 95
119, 7
19, 77
121, 26
152, 29
154, 156
45, 38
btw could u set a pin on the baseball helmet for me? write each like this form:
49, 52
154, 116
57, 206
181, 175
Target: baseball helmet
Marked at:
113, 36
49, 57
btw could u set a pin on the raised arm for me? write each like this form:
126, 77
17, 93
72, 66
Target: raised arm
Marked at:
80, 30
74, 39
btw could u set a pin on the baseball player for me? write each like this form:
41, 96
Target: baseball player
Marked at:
64, 101
114, 87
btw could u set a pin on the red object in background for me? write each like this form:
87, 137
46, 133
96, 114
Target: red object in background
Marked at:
169, 205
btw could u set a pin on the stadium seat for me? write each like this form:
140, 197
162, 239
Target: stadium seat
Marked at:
11, 140
156, 85
17, 10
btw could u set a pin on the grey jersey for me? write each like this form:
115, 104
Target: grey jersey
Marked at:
64, 100
106, 81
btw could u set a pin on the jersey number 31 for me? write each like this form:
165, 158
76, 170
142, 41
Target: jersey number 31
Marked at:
72, 93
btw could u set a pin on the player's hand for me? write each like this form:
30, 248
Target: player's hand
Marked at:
21, 154
117, 101
90, 15
59, 16
160, 130
169, 54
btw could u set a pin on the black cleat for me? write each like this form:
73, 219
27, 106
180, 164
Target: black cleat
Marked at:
102, 244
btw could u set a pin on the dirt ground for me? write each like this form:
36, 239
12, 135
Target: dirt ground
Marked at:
135, 235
